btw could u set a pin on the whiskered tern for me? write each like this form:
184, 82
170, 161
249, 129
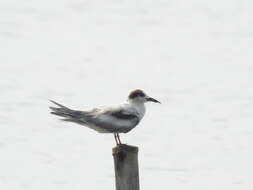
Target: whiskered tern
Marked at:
114, 119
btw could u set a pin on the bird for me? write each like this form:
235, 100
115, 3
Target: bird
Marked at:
112, 119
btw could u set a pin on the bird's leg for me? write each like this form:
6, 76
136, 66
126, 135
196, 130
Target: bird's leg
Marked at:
117, 134
115, 137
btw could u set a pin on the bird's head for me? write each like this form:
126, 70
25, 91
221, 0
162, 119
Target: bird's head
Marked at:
138, 96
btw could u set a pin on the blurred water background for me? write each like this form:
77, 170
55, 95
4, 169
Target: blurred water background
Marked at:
195, 56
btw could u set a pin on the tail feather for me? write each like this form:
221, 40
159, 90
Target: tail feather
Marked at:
64, 111
62, 106
59, 114
80, 117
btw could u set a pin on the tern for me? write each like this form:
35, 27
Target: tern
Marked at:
114, 119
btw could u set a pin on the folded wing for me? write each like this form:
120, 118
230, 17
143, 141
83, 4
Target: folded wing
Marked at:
110, 120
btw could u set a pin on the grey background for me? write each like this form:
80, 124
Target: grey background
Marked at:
195, 56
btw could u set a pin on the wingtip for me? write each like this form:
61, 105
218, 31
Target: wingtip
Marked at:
53, 101
60, 105
53, 108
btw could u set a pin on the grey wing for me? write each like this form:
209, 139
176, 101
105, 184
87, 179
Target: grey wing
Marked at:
116, 120
108, 120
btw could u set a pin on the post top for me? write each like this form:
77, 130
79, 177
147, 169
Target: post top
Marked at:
125, 148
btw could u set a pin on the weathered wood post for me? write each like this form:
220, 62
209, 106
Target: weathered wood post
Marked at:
126, 167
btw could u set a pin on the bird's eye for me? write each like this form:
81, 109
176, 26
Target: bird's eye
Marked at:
141, 95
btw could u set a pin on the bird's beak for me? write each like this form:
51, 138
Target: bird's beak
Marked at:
149, 99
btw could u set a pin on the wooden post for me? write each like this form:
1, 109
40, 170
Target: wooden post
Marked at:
126, 167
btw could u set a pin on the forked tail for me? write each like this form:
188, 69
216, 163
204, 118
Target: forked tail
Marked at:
67, 113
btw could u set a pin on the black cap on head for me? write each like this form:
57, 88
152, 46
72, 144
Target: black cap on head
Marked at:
136, 93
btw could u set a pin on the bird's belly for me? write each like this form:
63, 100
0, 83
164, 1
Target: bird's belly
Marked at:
96, 128
115, 125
